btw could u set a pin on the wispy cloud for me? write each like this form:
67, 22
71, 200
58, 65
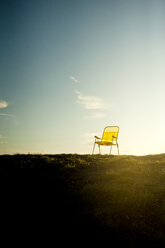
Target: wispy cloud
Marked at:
4, 114
74, 79
90, 102
88, 138
3, 139
3, 104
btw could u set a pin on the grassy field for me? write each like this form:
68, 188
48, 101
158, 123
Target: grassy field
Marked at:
83, 199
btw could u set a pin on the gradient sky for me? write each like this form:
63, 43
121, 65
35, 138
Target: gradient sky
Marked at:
68, 68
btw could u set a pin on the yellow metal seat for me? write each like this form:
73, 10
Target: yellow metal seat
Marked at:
109, 138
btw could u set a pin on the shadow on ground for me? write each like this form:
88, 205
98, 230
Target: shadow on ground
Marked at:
83, 200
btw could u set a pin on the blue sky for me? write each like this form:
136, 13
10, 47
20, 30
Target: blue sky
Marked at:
70, 68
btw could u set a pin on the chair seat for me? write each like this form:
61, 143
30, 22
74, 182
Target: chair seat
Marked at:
105, 143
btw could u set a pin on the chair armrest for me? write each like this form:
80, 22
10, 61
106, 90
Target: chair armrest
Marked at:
97, 137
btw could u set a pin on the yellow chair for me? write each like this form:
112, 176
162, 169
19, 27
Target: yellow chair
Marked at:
109, 138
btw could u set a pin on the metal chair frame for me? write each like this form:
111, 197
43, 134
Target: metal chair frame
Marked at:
111, 143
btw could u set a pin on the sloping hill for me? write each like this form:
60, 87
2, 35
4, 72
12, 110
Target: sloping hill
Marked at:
82, 199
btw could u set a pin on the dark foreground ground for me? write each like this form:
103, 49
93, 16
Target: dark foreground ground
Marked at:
83, 200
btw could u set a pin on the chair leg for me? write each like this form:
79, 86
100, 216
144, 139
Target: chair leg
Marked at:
99, 150
118, 148
93, 148
110, 150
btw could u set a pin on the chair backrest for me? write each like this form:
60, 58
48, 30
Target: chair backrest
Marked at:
109, 132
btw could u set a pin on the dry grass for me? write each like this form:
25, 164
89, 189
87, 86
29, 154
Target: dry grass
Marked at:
116, 198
